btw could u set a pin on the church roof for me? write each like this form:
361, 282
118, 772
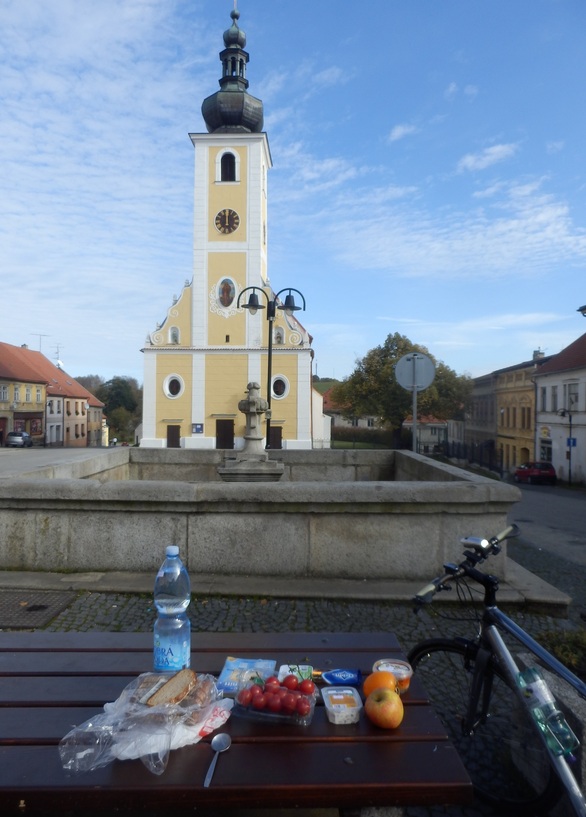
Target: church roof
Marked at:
232, 109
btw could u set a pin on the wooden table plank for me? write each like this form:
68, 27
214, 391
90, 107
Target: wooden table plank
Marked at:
317, 774
35, 662
219, 642
47, 725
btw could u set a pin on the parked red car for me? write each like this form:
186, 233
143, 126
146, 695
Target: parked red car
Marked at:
533, 472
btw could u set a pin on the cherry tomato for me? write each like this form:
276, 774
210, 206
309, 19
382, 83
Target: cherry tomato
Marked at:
307, 687
244, 697
272, 681
274, 704
255, 689
303, 707
259, 701
281, 692
291, 681
289, 702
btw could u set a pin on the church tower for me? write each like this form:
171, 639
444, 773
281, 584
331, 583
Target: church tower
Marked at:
199, 361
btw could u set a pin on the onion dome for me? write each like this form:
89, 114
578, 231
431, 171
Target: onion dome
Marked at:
232, 108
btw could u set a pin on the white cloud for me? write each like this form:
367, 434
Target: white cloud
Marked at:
487, 157
401, 131
555, 147
451, 91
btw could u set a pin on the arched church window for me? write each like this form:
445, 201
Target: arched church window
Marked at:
174, 335
279, 336
228, 167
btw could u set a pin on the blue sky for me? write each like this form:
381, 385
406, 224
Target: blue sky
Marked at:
429, 174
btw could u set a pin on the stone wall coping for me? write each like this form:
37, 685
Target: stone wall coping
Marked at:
231, 495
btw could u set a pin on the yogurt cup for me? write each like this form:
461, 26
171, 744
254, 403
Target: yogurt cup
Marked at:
401, 670
343, 705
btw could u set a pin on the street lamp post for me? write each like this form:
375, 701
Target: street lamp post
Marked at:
289, 307
562, 413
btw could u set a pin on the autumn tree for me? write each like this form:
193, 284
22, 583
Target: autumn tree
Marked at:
372, 388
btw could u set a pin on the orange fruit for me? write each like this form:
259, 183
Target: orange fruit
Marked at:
382, 679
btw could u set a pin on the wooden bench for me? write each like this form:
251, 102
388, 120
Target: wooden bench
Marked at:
50, 682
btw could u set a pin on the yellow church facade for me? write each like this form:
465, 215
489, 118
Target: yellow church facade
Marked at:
199, 361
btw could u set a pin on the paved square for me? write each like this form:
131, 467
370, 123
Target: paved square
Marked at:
29, 609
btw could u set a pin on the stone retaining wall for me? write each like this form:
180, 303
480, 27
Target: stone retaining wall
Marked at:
401, 528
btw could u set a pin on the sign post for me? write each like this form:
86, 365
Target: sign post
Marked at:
415, 372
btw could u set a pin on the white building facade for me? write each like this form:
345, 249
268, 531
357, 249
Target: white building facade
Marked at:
560, 428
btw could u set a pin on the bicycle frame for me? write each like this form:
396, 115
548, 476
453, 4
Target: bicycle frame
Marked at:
492, 644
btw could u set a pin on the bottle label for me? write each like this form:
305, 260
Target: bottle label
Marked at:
171, 656
538, 694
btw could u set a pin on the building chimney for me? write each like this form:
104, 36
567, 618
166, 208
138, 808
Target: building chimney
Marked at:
538, 354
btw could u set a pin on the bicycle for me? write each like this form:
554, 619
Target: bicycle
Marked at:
474, 686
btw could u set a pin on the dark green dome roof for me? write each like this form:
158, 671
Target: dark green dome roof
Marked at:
232, 108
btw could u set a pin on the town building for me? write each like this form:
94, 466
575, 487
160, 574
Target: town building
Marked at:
432, 433
228, 327
38, 397
560, 429
499, 430
340, 420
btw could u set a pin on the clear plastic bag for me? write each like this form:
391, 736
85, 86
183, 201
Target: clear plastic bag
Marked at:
129, 729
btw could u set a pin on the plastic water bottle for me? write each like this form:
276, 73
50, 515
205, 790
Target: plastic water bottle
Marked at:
172, 631
560, 738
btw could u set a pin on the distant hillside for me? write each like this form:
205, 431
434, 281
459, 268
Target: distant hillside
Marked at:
322, 384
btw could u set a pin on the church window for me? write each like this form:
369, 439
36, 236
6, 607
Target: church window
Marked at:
228, 166
280, 387
279, 336
173, 386
174, 335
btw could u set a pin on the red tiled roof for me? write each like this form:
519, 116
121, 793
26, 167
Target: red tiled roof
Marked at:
572, 357
329, 402
22, 363
428, 419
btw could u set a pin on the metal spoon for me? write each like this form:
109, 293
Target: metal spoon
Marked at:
220, 743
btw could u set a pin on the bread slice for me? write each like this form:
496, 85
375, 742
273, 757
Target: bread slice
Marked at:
175, 689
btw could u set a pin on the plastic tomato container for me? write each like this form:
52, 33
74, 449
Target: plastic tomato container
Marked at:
401, 670
274, 704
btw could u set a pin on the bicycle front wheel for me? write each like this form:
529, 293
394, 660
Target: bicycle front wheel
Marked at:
505, 758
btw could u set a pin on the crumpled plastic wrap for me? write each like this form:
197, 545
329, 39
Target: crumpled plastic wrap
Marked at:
129, 729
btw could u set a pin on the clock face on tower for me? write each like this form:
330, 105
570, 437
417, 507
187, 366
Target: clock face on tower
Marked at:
227, 221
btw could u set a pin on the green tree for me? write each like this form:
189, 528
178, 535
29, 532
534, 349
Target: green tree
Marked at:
92, 382
372, 388
122, 397
121, 423
119, 392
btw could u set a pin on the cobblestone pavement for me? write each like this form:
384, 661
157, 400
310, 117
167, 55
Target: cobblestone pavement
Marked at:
136, 613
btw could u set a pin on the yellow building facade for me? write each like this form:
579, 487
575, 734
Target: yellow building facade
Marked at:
199, 361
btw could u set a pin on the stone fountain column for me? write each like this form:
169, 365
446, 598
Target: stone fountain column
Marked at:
252, 463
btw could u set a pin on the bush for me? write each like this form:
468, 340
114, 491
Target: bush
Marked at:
569, 648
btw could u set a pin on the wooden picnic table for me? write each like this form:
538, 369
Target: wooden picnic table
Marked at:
51, 682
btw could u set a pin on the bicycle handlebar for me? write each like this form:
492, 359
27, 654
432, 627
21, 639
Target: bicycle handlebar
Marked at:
480, 550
